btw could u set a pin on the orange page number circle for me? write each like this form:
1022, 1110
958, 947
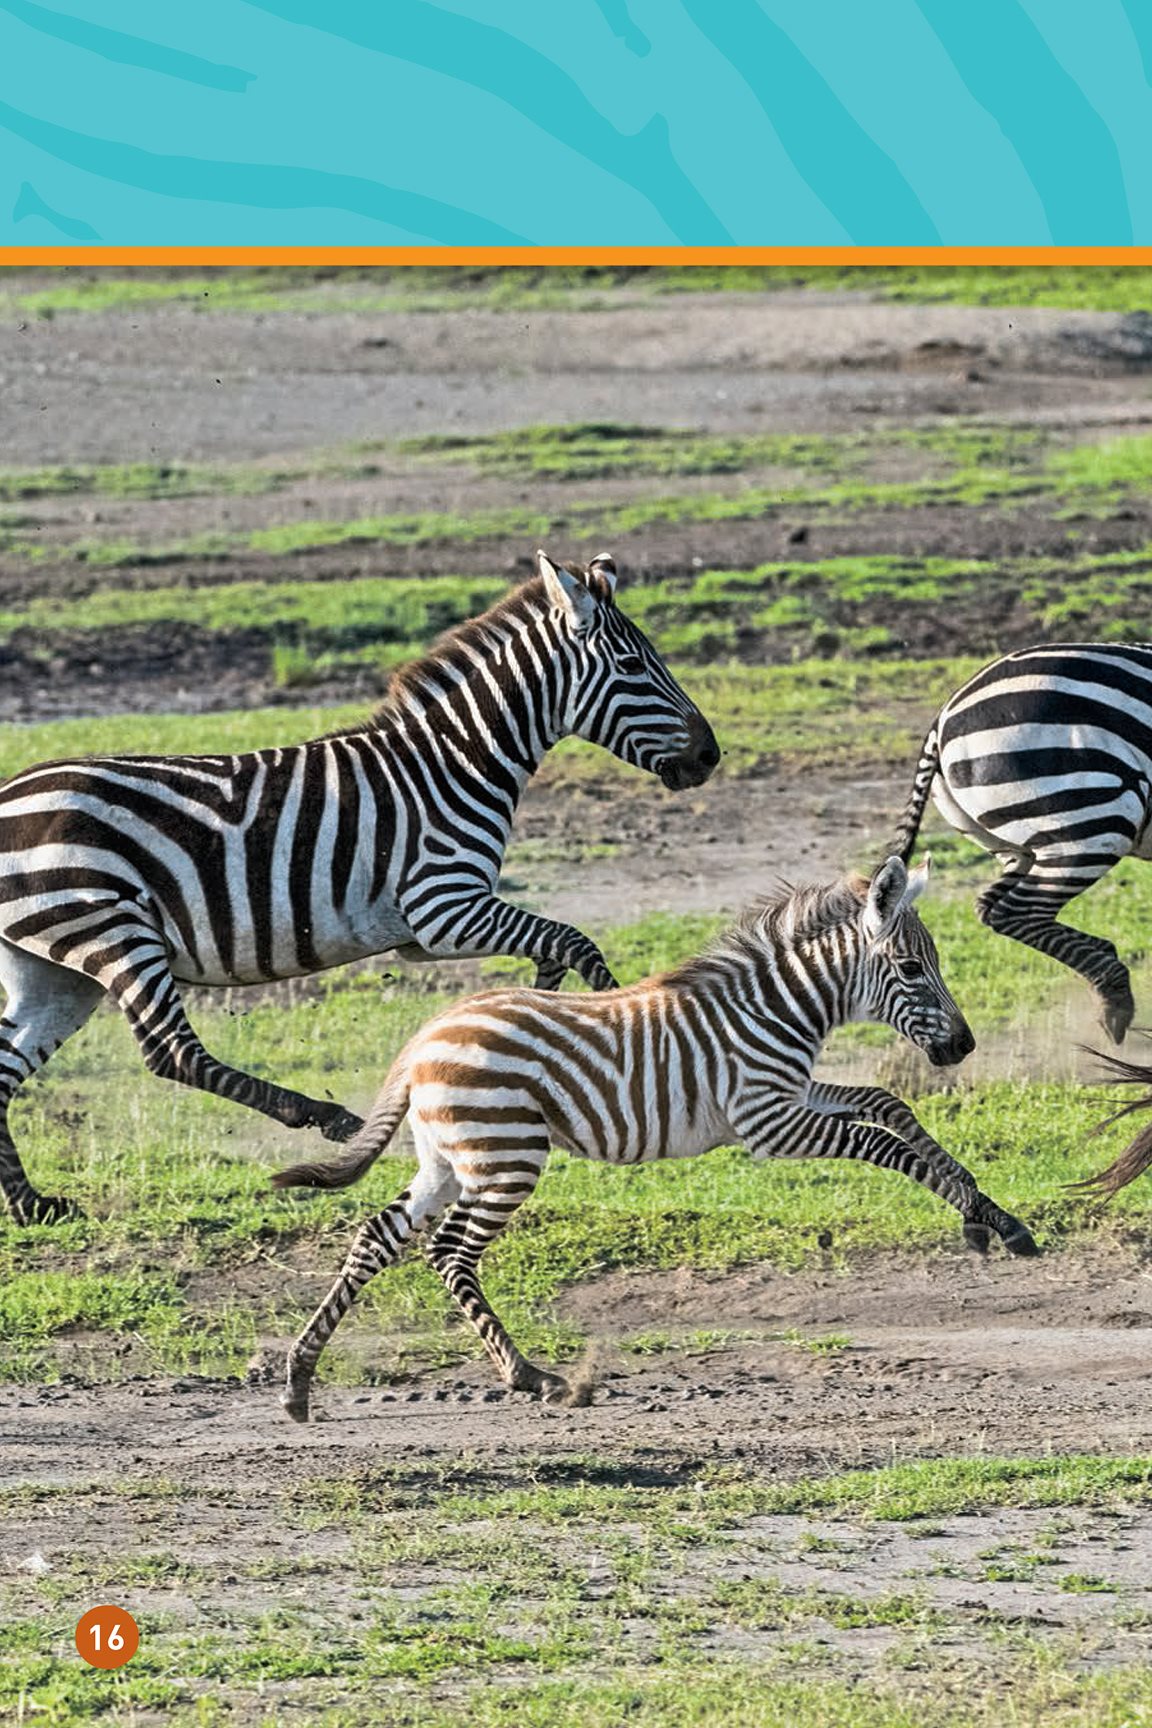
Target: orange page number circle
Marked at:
107, 1637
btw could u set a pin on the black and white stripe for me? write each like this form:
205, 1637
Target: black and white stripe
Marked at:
1045, 759
131, 875
721, 1049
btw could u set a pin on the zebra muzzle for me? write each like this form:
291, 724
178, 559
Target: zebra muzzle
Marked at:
692, 765
945, 1053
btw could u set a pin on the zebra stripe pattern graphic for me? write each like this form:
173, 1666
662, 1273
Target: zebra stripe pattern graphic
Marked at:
720, 1049
1045, 759
130, 875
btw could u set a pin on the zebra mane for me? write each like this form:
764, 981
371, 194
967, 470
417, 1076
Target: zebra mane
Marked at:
782, 918
459, 648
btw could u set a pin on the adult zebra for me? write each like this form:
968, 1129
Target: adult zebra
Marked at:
1045, 759
722, 1048
132, 874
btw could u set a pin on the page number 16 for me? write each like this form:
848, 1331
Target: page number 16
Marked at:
107, 1637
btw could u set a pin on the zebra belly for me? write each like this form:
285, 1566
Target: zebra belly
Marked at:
643, 1144
335, 942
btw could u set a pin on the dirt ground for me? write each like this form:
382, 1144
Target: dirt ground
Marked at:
1006, 1357
933, 1356
171, 384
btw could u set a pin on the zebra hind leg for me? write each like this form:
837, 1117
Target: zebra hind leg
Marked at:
46, 1005
455, 1250
380, 1242
1024, 905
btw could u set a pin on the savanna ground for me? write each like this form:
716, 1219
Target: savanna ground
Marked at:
835, 1470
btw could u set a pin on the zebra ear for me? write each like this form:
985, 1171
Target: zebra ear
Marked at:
918, 879
887, 895
604, 566
567, 593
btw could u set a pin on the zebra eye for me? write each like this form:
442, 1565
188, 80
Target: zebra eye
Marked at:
909, 968
631, 665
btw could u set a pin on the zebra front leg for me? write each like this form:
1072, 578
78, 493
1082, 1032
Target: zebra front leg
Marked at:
981, 1215
483, 924
378, 1243
455, 1250
773, 1128
1024, 904
148, 995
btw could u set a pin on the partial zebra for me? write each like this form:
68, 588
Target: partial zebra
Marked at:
1045, 759
721, 1049
132, 874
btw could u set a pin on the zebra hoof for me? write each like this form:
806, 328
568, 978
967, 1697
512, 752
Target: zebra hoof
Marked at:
978, 1236
1021, 1241
549, 1388
342, 1126
45, 1209
295, 1404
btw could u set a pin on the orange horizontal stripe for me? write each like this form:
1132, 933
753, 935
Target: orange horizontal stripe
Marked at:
13, 256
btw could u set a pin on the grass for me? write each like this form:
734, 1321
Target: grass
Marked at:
973, 467
849, 608
555, 1590
565, 1589
573, 451
592, 449
140, 480
442, 288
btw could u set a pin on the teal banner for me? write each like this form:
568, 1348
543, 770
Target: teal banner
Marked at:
589, 123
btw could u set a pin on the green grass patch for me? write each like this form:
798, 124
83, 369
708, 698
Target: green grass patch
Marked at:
561, 1589
977, 467
585, 450
140, 480
1104, 288
838, 608
1090, 289
334, 617
588, 1492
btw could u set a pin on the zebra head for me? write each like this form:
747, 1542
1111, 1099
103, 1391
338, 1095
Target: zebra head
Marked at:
900, 979
620, 693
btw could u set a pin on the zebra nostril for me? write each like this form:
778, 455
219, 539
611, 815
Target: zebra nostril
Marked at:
710, 755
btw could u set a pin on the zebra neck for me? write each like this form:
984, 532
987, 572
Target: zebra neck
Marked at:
803, 992
489, 717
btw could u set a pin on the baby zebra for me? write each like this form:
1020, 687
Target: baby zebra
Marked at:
720, 1049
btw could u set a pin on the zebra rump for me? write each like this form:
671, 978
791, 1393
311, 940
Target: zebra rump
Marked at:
1044, 758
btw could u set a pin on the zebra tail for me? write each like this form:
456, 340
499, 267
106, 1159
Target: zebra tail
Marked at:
364, 1148
926, 770
1137, 1155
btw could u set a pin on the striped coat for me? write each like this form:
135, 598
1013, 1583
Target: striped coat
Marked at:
718, 1050
1045, 759
131, 875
